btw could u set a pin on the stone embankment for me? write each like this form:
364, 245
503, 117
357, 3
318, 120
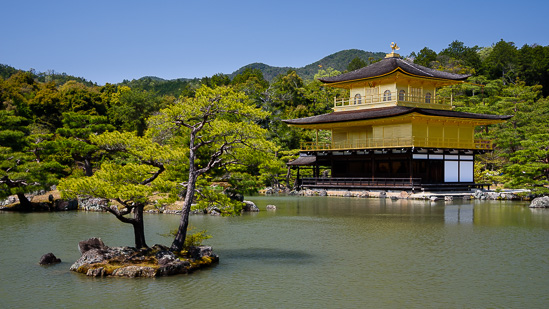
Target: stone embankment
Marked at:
475, 194
51, 201
41, 201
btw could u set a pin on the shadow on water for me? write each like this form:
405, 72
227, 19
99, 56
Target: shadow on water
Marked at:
268, 254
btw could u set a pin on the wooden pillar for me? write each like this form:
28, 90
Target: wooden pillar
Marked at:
429, 171
373, 166
411, 161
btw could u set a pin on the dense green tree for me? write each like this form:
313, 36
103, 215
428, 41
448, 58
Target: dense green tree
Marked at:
250, 74
518, 100
533, 63
529, 166
425, 57
163, 87
46, 105
16, 91
6, 71
216, 80
252, 83
130, 182
129, 108
467, 55
24, 165
77, 97
319, 97
502, 62
285, 99
73, 145
516, 160
219, 122
356, 64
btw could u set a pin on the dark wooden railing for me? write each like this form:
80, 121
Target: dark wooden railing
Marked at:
387, 183
381, 183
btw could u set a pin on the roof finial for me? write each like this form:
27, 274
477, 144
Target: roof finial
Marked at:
394, 47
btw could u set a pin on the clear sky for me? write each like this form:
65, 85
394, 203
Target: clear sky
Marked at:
109, 41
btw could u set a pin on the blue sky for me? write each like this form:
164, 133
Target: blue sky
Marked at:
109, 41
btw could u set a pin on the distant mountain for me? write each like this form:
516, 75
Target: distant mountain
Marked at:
160, 86
337, 61
269, 72
7, 71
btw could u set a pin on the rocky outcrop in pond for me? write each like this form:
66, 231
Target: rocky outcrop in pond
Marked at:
540, 202
98, 260
250, 206
49, 259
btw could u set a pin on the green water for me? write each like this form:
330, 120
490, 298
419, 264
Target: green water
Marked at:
312, 252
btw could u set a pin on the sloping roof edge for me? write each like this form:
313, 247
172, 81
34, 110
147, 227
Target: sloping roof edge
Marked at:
386, 112
302, 161
390, 65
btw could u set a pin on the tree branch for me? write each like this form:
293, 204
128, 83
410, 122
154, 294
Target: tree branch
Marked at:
118, 214
15, 183
161, 168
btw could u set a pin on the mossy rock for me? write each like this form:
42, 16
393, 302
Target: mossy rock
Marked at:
150, 262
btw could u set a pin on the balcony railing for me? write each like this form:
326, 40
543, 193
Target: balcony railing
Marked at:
387, 183
392, 98
375, 143
380, 183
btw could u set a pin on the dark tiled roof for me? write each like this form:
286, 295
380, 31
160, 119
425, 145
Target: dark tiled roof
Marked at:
388, 65
384, 112
302, 161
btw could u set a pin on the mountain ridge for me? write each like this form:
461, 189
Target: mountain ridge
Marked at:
337, 61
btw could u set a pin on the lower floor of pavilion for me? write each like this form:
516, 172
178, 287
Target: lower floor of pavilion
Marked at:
402, 168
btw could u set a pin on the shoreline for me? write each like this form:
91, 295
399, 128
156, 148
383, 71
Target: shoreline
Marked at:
42, 202
508, 194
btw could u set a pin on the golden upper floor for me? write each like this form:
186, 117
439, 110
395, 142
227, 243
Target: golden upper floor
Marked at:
393, 81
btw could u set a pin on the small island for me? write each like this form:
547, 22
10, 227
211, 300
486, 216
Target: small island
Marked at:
98, 260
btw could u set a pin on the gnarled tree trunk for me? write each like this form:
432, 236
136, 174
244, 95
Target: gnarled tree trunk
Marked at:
179, 240
139, 228
24, 202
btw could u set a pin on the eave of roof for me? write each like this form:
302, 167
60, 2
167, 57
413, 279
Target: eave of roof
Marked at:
388, 66
385, 112
302, 161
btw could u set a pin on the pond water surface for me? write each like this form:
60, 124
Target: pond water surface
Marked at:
312, 252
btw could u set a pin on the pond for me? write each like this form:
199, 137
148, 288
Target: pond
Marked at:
312, 252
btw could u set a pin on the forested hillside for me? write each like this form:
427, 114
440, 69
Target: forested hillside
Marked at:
337, 61
48, 121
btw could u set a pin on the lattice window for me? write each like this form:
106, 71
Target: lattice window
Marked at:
401, 95
358, 99
387, 95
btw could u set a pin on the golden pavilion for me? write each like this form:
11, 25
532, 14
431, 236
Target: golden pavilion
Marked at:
394, 131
